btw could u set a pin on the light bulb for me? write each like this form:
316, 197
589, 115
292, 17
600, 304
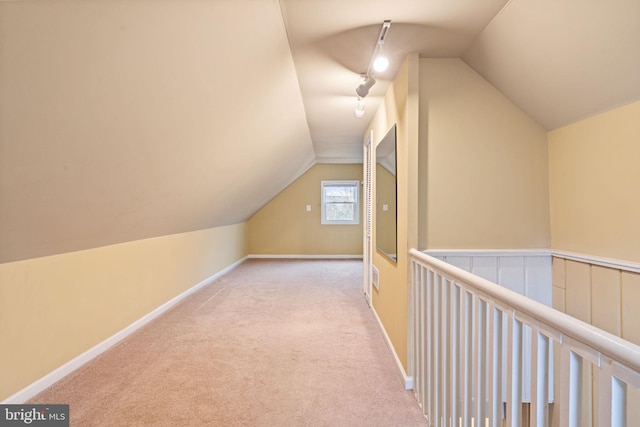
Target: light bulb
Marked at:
380, 64
359, 111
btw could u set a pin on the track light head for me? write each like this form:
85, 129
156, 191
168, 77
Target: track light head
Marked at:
363, 89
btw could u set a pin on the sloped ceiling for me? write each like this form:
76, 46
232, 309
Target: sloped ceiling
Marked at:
122, 120
562, 61
558, 60
332, 42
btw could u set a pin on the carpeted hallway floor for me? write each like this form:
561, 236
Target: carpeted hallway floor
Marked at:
272, 343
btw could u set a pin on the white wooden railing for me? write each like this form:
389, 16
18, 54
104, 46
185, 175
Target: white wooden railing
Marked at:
466, 355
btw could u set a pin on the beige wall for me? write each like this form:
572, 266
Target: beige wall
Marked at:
284, 227
483, 164
606, 298
398, 107
594, 179
595, 206
54, 308
470, 141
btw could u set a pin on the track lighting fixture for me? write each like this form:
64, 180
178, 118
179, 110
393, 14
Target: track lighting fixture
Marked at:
377, 63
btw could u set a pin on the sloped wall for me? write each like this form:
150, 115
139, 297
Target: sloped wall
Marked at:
127, 120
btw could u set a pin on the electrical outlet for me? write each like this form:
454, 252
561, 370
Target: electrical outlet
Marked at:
308, 208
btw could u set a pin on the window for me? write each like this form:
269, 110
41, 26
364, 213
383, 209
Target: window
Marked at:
340, 202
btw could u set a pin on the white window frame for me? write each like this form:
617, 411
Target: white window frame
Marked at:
342, 183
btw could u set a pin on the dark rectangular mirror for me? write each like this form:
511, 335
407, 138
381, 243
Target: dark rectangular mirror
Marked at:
386, 189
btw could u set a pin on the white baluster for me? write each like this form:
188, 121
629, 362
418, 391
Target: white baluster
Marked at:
618, 403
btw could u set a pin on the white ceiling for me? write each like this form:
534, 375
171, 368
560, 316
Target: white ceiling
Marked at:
122, 120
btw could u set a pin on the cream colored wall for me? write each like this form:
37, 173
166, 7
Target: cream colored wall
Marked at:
398, 107
595, 206
593, 178
54, 308
483, 164
606, 298
284, 227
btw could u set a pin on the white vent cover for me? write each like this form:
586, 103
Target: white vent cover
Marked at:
374, 276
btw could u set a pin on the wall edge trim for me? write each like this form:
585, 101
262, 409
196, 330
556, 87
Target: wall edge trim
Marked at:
59, 373
408, 380
488, 252
616, 264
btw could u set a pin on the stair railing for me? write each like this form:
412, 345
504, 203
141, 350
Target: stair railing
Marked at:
466, 352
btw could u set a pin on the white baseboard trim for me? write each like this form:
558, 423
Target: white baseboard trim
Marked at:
56, 375
294, 256
408, 381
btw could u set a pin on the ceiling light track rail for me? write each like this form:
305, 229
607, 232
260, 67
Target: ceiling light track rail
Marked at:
377, 63
376, 51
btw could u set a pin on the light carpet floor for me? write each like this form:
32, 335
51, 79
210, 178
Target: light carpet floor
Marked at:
271, 343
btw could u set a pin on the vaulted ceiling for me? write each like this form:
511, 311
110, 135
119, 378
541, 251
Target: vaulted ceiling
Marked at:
123, 120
